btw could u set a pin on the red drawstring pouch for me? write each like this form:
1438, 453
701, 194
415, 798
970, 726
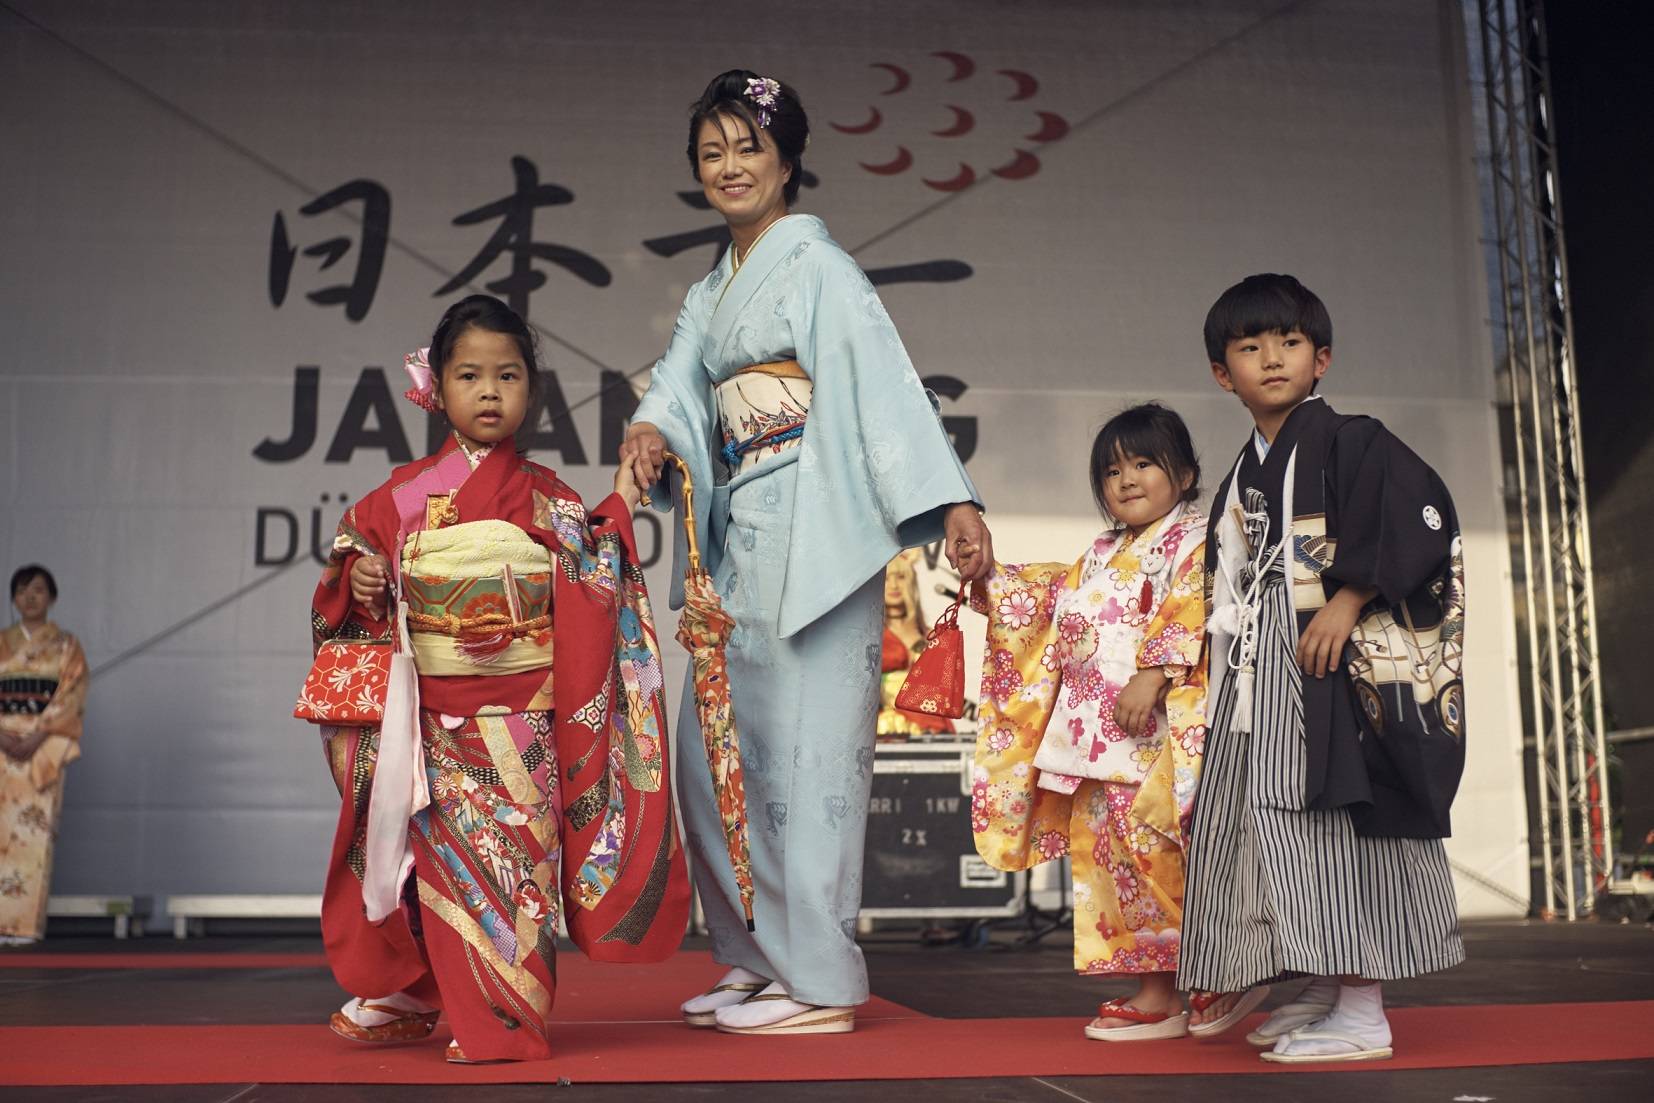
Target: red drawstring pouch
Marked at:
935, 685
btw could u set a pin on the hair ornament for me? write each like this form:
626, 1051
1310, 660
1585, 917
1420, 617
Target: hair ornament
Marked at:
766, 93
423, 392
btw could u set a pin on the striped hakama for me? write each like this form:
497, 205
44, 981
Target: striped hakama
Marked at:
1275, 889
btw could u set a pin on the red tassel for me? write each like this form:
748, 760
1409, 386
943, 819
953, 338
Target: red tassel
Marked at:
486, 649
1145, 601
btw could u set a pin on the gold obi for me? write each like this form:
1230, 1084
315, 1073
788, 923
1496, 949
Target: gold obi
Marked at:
763, 409
479, 599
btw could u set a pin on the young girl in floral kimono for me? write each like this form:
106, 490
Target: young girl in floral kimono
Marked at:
519, 795
1093, 716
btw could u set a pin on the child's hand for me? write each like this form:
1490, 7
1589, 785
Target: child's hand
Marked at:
370, 581
644, 451
1136, 704
626, 485
1322, 646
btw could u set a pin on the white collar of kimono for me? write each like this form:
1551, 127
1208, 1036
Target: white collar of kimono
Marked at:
1122, 537
475, 458
1261, 445
740, 285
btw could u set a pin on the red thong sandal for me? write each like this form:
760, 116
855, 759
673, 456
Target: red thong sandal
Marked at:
1146, 1025
1245, 1003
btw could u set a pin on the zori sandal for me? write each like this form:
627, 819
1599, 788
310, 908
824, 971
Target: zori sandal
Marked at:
1146, 1025
1243, 1006
456, 1056
812, 1020
1361, 1049
709, 1018
404, 1026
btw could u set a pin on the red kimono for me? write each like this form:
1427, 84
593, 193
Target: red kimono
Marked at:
548, 781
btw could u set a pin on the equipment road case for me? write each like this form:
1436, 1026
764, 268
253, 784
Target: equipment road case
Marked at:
921, 858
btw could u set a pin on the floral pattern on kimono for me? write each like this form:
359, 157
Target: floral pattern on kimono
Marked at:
43, 680
550, 790
1123, 816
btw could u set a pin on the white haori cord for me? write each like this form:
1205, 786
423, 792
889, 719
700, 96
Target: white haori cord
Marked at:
1239, 621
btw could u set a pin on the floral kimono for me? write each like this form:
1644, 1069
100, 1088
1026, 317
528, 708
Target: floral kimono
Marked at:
1055, 775
42, 684
547, 781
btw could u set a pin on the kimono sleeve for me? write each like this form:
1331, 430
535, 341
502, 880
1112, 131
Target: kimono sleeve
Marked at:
623, 878
68, 705
334, 614
876, 468
1016, 823
1177, 632
1392, 517
851, 347
679, 403
62, 719
612, 514
679, 399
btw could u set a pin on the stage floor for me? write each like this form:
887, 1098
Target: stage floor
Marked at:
1539, 1011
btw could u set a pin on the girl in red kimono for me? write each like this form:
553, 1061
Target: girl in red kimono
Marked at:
535, 786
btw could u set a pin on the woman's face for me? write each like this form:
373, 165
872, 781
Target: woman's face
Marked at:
742, 174
32, 599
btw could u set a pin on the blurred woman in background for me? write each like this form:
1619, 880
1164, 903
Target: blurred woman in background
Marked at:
42, 697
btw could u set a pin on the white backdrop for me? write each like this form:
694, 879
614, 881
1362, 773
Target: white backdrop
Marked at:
1148, 155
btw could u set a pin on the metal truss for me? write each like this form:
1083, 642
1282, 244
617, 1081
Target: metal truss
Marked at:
1545, 475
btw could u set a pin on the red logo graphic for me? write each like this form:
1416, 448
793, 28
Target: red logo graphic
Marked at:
960, 121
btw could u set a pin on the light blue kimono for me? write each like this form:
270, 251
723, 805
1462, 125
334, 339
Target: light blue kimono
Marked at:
797, 548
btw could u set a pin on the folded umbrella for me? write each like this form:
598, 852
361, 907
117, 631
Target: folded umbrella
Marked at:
703, 629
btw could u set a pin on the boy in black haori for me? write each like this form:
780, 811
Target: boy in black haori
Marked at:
1336, 605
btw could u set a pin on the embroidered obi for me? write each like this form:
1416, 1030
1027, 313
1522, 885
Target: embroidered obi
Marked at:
26, 694
479, 599
762, 410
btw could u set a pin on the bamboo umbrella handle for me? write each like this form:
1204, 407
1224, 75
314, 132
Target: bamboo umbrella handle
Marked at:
688, 511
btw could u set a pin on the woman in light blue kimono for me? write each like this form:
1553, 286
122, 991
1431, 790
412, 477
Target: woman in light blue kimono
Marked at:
789, 394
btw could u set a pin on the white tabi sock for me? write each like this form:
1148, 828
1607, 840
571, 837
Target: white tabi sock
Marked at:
763, 1012
1314, 1001
373, 1016
712, 1001
1358, 1014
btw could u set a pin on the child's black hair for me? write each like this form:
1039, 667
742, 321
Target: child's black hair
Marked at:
25, 575
789, 127
1153, 432
483, 312
1266, 303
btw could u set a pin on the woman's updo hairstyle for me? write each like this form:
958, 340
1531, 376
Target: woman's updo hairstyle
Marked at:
789, 127
483, 312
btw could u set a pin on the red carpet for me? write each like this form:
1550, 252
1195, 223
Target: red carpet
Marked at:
586, 990
895, 1048
619, 1025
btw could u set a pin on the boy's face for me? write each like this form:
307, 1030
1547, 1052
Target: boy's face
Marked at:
1271, 372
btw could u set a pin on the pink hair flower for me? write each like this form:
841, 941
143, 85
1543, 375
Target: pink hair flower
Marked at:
423, 392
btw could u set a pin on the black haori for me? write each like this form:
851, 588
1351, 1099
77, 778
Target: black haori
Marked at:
1385, 730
